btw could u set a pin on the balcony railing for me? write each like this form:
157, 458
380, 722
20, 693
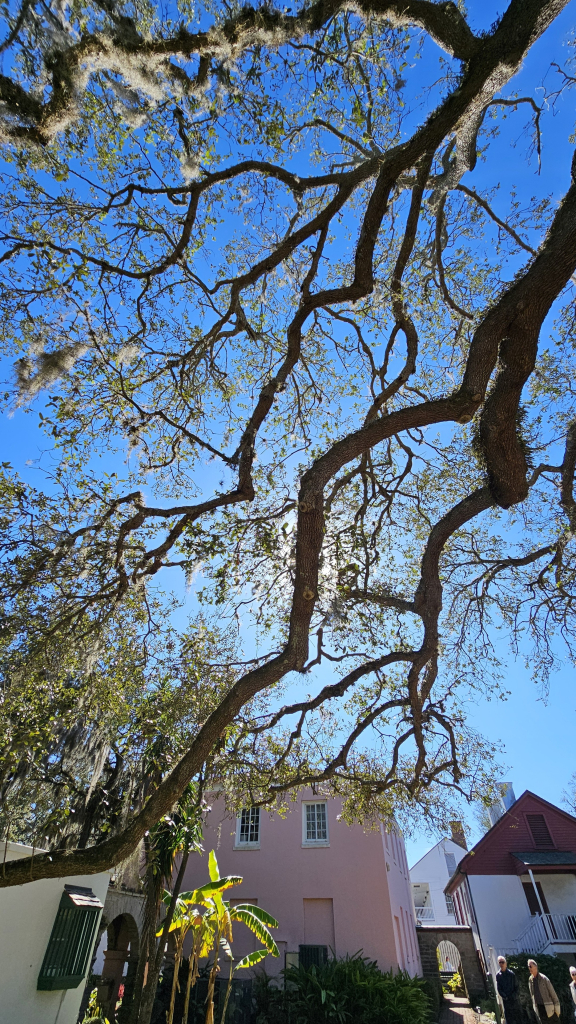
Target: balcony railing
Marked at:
424, 914
546, 930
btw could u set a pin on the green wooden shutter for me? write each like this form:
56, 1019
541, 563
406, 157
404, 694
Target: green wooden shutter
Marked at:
72, 939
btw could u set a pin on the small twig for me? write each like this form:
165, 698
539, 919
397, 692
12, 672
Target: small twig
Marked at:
536, 109
438, 252
501, 223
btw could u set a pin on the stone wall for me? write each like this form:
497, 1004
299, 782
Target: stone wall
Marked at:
428, 939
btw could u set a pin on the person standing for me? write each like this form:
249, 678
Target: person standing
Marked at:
544, 999
507, 985
573, 987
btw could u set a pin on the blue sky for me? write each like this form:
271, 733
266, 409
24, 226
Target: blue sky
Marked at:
537, 730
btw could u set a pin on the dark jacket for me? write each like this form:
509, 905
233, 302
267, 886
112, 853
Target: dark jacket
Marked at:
507, 984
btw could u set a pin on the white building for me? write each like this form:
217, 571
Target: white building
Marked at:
517, 887
430, 876
46, 944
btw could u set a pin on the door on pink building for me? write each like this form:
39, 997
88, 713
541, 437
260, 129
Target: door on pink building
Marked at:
319, 939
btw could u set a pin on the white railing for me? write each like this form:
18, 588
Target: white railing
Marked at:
546, 930
424, 914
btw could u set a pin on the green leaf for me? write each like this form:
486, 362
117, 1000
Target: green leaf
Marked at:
262, 916
251, 959
213, 866
256, 926
206, 891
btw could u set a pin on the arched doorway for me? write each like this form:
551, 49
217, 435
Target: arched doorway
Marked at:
449, 960
120, 958
431, 940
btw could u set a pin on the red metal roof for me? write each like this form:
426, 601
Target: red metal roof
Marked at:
493, 854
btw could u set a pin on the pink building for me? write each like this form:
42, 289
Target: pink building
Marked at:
331, 886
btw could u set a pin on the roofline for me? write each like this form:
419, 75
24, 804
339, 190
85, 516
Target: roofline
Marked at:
527, 792
446, 839
24, 848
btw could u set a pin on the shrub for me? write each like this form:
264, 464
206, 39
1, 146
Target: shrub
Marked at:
269, 1001
239, 1007
432, 987
488, 1009
349, 989
455, 984
93, 1014
556, 970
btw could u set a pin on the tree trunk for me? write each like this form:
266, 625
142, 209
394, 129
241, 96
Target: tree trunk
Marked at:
192, 976
148, 929
228, 991
212, 982
170, 1017
156, 955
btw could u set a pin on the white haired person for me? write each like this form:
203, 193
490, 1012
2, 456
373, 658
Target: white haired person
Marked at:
573, 987
544, 999
507, 985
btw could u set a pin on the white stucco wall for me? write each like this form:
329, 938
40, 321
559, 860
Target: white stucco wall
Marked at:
559, 890
501, 910
432, 868
27, 913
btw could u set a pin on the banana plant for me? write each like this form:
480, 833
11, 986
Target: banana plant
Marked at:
204, 912
202, 943
257, 920
188, 915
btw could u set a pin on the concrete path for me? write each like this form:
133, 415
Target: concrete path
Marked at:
457, 1011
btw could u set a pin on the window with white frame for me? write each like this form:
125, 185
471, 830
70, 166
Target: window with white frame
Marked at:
248, 827
449, 904
315, 824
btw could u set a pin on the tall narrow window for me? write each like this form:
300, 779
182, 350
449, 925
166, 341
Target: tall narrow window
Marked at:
540, 831
449, 904
450, 863
248, 828
315, 823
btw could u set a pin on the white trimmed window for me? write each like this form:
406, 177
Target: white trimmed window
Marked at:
248, 827
314, 824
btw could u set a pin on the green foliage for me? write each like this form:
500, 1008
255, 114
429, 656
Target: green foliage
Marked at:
555, 969
180, 832
93, 1015
348, 989
488, 1008
85, 737
455, 983
209, 918
239, 1010
212, 294
432, 988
